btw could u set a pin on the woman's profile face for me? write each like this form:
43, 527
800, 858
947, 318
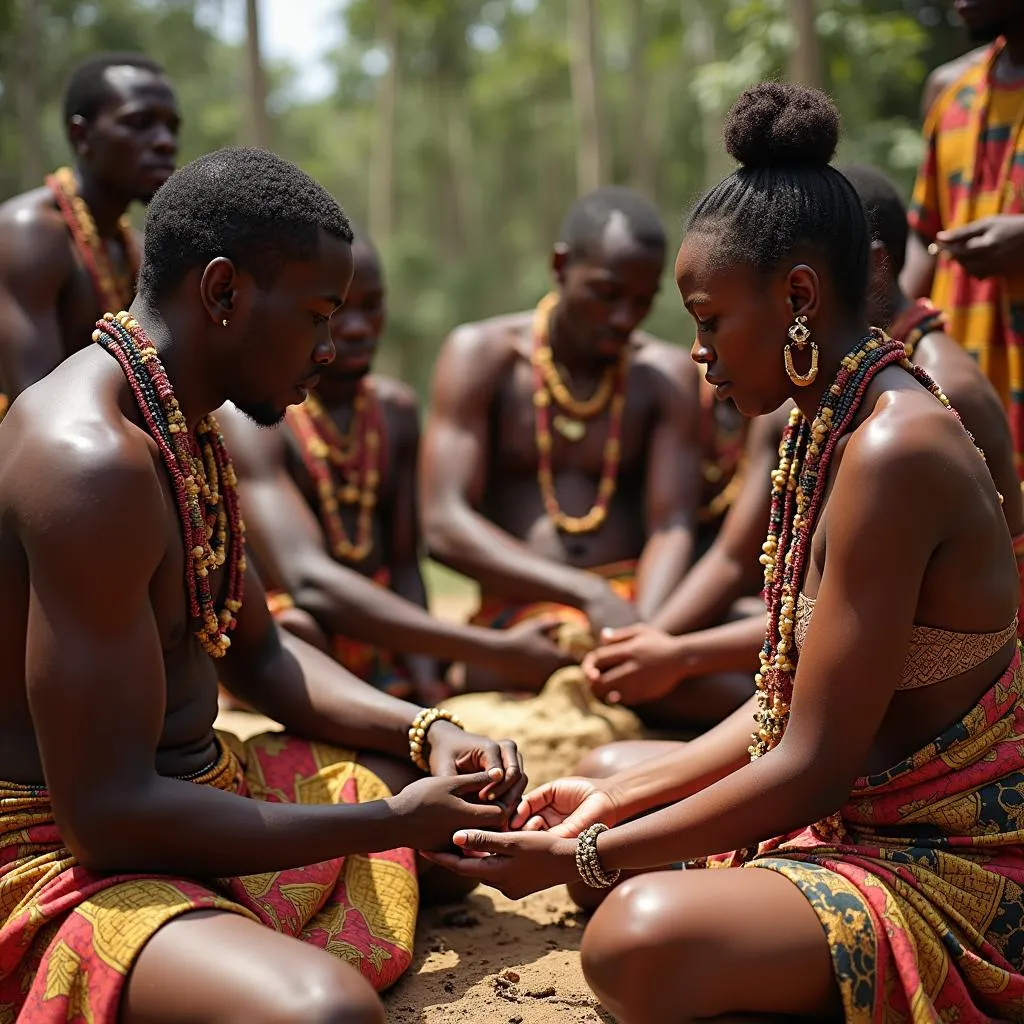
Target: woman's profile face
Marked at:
742, 318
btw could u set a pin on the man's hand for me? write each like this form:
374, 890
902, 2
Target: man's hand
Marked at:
567, 806
431, 809
989, 247
517, 863
635, 665
455, 752
530, 653
606, 610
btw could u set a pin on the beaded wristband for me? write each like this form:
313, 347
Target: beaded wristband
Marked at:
587, 861
418, 733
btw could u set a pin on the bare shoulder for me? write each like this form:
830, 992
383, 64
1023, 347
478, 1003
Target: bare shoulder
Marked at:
400, 403
668, 360
489, 345
33, 235
101, 471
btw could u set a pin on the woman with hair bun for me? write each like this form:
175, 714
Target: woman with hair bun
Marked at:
877, 777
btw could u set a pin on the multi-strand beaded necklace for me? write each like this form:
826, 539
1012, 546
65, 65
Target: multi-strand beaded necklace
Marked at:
798, 490
345, 468
202, 476
548, 387
113, 290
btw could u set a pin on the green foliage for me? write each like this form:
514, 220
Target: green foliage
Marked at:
485, 130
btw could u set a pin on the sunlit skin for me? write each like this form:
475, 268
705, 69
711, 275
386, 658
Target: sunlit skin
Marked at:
123, 155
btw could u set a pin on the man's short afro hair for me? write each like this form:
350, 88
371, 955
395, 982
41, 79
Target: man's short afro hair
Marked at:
87, 87
249, 205
585, 223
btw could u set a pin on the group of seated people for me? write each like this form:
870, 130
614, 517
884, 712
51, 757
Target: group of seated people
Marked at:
218, 494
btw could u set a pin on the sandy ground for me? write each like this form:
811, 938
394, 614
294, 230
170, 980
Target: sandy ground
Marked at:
486, 960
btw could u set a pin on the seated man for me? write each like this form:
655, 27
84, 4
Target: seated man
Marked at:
329, 498
67, 251
150, 869
648, 664
560, 464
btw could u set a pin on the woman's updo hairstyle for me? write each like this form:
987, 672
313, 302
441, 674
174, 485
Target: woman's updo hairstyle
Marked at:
785, 194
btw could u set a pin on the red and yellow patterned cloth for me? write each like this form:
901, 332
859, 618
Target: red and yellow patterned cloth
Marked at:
974, 168
372, 664
498, 613
68, 936
923, 906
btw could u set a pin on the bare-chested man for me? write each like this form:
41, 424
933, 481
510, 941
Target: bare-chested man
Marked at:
651, 666
150, 869
329, 500
67, 253
560, 464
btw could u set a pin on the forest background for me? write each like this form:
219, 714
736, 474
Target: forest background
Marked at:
458, 131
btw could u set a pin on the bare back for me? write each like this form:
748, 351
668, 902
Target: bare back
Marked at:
74, 444
48, 306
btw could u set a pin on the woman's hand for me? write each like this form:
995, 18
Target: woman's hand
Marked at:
454, 752
516, 863
565, 807
635, 665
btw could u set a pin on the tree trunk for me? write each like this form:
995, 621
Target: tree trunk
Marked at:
806, 64
259, 122
592, 148
26, 94
382, 161
703, 47
641, 157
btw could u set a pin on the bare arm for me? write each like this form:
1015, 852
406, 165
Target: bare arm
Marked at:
35, 264
918, 270
289, 543
730, 567
672, 488
96, 687
455, 461
404, 532
847, 672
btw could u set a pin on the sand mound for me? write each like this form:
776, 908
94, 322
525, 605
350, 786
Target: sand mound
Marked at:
553, 729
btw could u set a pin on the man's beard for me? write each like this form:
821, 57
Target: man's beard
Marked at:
263, 414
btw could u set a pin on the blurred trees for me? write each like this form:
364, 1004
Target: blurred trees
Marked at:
459, 130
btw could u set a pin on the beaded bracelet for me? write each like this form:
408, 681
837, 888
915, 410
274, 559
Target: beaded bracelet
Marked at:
418, 733
588, 863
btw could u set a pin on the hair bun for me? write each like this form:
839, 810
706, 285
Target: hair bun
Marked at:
775, 124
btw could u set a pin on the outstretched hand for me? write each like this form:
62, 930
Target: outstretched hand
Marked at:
565, 807
516, 863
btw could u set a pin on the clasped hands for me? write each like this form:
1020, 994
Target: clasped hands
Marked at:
538, 850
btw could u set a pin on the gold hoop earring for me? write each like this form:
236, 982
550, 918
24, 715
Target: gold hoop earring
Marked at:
799, 335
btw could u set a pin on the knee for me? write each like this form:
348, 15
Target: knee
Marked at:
335, 994
604, 761
625, 943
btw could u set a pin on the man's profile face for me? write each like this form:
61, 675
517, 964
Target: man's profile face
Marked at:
356, 327
286, 339
132, 142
